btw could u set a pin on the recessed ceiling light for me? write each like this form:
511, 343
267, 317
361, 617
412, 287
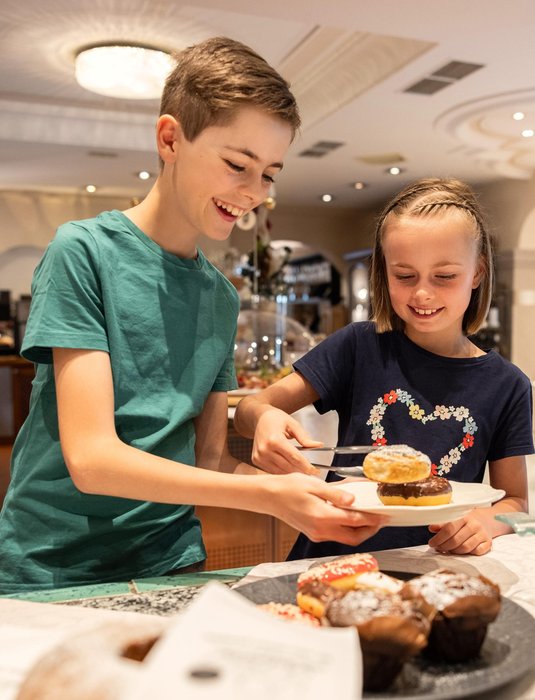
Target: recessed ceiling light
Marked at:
90, 188
394, 170
127, 72
144, 175
528, 133
327, 198
359, 185
518, 116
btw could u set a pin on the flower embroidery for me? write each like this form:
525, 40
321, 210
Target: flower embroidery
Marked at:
442, 412
391, 397
416, 412
458, 413
468, 441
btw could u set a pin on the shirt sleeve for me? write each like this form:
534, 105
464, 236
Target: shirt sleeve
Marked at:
226, 379
328, 366
513, 436
66, 309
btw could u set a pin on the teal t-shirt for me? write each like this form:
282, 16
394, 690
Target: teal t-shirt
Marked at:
168, 325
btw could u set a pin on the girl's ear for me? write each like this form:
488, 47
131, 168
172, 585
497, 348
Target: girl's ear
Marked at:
168, 133
479, 274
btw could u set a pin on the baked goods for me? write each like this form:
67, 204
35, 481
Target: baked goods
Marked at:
290, 612
464, 604
317, 585
396, 464
95, 665
391, 630
433, 491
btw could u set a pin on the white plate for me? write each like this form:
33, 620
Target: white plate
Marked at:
464, 498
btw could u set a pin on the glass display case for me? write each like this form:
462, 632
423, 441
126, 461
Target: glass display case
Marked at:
267, 343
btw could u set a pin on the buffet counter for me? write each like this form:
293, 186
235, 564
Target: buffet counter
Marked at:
31, 624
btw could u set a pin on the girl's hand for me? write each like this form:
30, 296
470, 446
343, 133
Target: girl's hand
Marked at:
272, 449
468, 535
319, 510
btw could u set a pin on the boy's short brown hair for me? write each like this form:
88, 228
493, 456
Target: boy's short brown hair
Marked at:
213, 79
426, 198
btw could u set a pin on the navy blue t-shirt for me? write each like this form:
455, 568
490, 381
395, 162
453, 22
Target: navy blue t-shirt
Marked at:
462, 412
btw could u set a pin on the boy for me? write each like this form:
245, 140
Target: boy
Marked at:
132, 331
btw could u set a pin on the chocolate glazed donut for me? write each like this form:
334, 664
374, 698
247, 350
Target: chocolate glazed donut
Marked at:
433, 491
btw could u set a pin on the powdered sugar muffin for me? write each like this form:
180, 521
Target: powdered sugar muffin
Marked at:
464, 604
391, 630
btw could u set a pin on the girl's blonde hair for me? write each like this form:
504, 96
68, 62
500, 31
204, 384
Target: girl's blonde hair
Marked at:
426, 198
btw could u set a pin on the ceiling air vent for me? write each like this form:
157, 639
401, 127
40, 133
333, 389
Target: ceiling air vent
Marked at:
443, 77
102, 154
455, 70
320, 149
382, 159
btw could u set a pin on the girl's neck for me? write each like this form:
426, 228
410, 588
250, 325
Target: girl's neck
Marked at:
458, 346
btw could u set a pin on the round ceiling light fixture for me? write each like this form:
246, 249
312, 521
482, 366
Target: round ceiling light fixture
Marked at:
123, 71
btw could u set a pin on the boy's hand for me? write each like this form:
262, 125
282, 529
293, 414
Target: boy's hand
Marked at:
272, 450
320, 510
467, 535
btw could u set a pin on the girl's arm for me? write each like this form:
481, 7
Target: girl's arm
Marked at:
473, 534
100, 463
266, 418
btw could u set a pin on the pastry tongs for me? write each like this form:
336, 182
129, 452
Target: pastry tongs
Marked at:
342, 450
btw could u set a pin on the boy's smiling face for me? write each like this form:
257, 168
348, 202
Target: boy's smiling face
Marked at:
225, 171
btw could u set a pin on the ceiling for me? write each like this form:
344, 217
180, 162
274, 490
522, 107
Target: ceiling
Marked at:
350, 63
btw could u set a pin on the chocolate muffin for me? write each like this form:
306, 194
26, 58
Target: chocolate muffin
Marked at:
391, 630
465, 605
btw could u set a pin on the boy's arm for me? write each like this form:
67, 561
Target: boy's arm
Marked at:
211, 438
100, 463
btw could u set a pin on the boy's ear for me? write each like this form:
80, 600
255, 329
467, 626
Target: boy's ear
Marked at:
168, 132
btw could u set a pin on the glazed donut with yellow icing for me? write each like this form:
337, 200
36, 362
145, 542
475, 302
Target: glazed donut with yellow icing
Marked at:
433, 491
396, 464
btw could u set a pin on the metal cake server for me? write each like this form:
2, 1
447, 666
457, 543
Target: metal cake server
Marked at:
342, 450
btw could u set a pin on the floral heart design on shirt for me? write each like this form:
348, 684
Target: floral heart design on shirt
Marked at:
458, 413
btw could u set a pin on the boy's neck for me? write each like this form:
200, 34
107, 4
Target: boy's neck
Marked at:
153, 218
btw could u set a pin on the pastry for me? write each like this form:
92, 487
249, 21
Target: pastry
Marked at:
433, 491
391, 630
320, 583
465, 605
97, 664
396, 464
290, 612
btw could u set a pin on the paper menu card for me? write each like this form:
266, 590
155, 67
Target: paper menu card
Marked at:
223, 646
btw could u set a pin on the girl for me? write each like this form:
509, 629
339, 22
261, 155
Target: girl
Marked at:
413, 375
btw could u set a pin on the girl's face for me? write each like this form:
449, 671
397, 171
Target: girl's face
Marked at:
432, 266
